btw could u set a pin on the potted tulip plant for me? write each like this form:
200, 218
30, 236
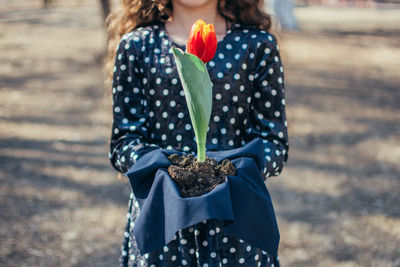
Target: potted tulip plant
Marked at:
209, 187
198, 175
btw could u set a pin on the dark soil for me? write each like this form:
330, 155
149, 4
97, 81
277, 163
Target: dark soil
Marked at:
197, 178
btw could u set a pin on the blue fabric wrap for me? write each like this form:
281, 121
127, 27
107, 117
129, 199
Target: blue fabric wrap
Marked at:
242, 201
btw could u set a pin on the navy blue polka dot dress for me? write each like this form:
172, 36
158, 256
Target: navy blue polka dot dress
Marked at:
150, 112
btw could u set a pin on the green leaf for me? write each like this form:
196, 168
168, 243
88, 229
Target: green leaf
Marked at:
198, 93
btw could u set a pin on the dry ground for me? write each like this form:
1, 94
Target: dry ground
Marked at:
337, 200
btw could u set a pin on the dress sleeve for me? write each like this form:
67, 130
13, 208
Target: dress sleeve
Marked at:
130, 134
268, 116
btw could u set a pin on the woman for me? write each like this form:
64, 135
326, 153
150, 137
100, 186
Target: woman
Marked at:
150, 110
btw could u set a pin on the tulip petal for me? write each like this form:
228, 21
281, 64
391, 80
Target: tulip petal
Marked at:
189, 43
199, 44
190, 46
210, 41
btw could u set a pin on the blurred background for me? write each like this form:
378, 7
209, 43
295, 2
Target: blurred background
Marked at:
337, 200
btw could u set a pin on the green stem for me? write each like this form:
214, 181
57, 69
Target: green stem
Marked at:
201, 151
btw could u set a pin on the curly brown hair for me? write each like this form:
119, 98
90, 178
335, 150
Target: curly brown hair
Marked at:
135, 13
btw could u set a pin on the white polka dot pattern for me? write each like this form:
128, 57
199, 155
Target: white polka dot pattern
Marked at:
253, 89
203, 244
150, 112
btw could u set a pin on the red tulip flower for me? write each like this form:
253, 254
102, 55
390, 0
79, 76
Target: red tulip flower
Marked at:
202, 41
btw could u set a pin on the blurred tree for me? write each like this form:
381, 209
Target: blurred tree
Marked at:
283, 9
105, 7
105, 10
46, 3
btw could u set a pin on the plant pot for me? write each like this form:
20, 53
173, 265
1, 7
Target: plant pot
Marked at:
196, 178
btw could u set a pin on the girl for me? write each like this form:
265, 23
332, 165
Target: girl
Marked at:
150, 109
